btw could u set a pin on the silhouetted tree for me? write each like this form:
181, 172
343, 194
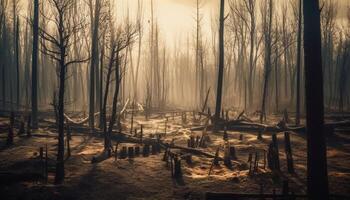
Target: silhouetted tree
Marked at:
221, 62
58, 51
35, 65
317, 178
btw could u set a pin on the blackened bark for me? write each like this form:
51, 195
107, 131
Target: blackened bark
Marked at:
35, 65
297, 117
60, 154
221, 62
115, 101
317, 175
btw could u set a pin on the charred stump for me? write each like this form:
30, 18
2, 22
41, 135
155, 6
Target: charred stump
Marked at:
123, 153
288, 151
145, 150
131, 152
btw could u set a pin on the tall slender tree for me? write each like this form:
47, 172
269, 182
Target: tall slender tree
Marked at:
94, 61
297, 117
267, 24
34, 117
317, 176
221, 62
59, 50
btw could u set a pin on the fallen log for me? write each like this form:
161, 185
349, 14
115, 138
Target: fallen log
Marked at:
80, 122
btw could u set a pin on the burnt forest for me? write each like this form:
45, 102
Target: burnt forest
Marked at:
174, 99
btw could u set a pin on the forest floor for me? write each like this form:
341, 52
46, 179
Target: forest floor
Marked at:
149, 177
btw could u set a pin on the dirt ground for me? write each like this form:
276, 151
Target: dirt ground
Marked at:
149, 177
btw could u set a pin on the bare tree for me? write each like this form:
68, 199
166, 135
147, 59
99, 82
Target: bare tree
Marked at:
221, 62
267, 30
297, 117
95, 22
60, 44
34, 99
317, 176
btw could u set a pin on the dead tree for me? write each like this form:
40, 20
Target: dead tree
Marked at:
297, 117
267, 29
317, 175
34, 99
94, 59
288, 151
221, 62
125, 37
140, 34
16, 49
58, 51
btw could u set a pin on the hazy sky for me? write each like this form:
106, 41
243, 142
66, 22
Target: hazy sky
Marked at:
177, 17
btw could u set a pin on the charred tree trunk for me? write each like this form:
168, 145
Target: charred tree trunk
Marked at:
17, 49
297, 117
35, 65
267, 67
114, 106
60, 154
317, 175
104, 108
94, 62
221, 62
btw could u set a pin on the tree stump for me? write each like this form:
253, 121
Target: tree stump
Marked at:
137, 151
216, 160
154, 149
241, 137
145, 150
233, 153
275, 144
256, 162
288, 151
250, 160
177, 167
123, 153
225, 137
273, 155
227, 157
131, 153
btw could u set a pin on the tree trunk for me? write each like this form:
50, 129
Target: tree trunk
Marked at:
317, 175
94, 61
35, 65
297, 117
60, 153
115, 101
221, 62
104, 108
267, 67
